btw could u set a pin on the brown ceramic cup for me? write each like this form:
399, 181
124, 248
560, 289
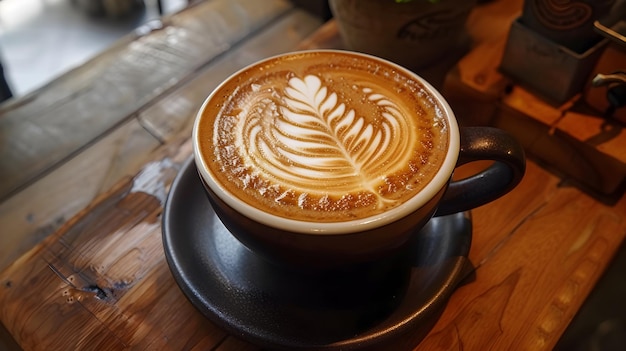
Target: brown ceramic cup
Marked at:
345, 238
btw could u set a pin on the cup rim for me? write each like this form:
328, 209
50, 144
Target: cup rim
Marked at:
438, 182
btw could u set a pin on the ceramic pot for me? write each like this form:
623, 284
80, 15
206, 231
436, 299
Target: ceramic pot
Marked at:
413, 34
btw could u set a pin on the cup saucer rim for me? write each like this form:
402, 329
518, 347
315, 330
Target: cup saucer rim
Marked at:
205, 284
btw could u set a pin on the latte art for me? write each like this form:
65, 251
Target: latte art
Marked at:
316, 145
323, 141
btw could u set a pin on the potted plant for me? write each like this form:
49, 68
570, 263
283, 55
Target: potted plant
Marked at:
412, 33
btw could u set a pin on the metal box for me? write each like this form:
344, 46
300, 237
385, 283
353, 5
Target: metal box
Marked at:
544, 67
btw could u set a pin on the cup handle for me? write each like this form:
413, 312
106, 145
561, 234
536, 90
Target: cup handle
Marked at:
484, 143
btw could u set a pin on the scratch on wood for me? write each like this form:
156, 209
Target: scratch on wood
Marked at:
75, 294
513, 231
60, 275
151, 131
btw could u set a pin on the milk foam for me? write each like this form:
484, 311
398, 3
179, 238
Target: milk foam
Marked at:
325, 141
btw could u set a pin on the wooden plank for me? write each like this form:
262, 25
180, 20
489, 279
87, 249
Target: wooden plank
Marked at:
106, 277
521, 100
39, 209
583, 146
516, 207
175, 113
610, 138
525, 294
102, 270
58, 120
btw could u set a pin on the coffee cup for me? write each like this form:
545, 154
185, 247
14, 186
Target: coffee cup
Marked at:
329, 158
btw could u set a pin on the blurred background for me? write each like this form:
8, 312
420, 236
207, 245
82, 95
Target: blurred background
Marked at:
42, 39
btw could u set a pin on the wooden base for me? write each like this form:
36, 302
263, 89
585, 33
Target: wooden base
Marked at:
571, 138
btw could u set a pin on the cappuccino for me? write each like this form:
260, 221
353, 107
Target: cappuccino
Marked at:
322, 136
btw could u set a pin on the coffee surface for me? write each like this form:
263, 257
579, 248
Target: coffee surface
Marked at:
323, 136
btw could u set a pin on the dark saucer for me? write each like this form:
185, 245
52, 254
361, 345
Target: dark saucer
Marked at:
280, 308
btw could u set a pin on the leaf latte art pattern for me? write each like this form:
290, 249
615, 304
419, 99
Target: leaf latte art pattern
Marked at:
309, 141
322, 136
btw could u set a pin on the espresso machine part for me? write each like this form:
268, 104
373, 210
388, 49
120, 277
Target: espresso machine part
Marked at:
616, 90
607, 89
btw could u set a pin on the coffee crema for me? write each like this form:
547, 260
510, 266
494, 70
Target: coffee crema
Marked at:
322, 136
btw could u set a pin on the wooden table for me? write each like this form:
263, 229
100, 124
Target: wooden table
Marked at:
87, 162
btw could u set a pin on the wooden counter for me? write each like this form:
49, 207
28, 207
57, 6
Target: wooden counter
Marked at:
81, 250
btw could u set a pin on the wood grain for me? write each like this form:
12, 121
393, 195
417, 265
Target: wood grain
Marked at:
104, 271
174, 114
104, 274
540, 272
39, 209
57, 121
